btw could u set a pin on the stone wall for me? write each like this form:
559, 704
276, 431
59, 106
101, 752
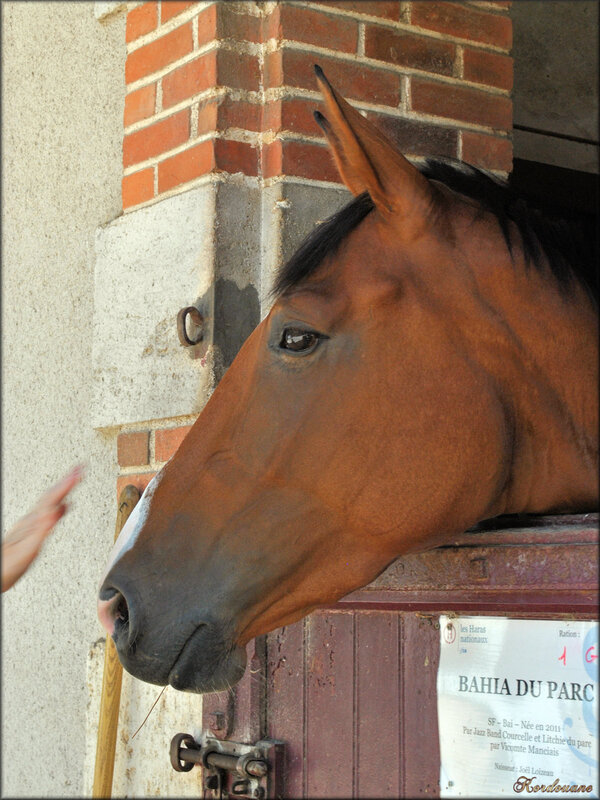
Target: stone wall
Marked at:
63, 98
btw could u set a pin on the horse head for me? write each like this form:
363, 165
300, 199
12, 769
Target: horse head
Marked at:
407, 383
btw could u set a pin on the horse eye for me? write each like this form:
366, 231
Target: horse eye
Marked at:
297, 340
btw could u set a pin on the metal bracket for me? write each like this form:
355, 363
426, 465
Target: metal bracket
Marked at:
193, 328
231, 769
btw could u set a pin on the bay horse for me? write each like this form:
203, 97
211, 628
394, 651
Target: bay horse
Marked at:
430, 361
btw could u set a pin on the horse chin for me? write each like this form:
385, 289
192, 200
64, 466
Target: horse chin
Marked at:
205, 665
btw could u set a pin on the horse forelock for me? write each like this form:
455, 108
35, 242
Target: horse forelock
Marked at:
570, 246
323, 241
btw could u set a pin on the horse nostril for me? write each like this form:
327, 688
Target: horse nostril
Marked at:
113, 610
122, 610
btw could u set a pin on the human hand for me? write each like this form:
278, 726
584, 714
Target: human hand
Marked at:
23, 542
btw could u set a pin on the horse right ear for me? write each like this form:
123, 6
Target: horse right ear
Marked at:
368, 161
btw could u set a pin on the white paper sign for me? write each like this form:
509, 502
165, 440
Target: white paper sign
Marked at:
518, 707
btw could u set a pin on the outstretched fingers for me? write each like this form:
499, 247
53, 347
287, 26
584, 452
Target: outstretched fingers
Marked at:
56, 494
22, 544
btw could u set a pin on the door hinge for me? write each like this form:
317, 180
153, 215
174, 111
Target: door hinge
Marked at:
231, 769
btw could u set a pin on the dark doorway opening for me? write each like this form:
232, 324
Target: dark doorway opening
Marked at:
566, 192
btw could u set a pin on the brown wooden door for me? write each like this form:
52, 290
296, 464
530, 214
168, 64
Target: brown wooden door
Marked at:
351, 689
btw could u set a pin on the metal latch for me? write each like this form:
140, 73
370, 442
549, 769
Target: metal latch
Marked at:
231, 769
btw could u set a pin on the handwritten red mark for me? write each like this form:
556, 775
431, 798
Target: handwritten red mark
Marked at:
563, 658
590, 656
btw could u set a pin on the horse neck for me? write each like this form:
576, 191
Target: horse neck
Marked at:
550, 377
539, 342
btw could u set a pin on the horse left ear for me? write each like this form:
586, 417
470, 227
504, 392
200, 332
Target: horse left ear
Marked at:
368, 161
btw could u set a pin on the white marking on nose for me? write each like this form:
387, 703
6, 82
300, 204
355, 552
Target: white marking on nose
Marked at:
135, 522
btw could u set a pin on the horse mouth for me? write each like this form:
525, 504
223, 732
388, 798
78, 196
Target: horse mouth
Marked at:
206, 664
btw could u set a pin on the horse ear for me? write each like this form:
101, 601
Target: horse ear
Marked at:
367, 160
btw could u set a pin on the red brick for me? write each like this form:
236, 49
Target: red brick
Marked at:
353, 80
140, 482
314, 27
297, 115
234, 157
157, 138
240, 27
185, 166
138, 187
141, 20
463, 22
387, 9
271, 159
461, 103
156, 55
238, 70
270, 25
293, 114
207, 25
488, 152
220, 21
220, 114
273, 70
207, 116
271, 116
420, 52
418, 138
168, 440
192, 78
139, 104
170, 9
491, 69
239, 114
307, 160
133, 449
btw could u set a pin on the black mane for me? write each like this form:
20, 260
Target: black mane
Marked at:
570, 244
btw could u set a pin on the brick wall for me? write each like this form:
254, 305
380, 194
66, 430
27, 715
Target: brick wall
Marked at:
143, 451
215, 89
228, 87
